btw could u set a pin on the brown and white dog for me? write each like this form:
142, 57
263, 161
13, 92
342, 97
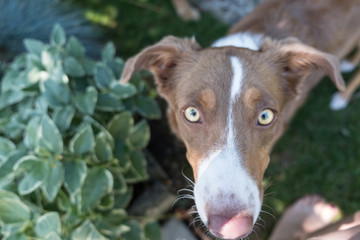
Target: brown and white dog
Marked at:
229, 103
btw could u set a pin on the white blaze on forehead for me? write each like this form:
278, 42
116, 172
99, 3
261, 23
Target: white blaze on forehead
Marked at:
236, 87
237, 79
223, 180
248, 40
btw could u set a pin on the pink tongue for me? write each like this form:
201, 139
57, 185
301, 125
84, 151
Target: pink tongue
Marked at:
230, 228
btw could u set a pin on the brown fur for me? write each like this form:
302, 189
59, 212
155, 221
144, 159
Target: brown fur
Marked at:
278, 76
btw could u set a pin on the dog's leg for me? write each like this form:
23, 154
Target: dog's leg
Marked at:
341, 99
185, 10
349, 64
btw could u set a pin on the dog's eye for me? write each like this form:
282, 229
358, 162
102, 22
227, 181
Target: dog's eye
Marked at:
192, 114
265, 117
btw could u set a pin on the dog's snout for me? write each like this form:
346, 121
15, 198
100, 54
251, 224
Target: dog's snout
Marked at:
231, 227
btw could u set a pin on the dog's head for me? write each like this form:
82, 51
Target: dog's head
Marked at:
227, 105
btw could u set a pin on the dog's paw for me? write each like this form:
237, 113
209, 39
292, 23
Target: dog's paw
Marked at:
338, 102
346, 66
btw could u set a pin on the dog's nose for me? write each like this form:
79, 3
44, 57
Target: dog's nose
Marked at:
234, 227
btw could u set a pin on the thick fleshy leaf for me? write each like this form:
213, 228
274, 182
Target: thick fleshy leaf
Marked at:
49, 136
57, 36
83, 141
54, 180
57, 94
6, 148
138, 170
122, 200
103, 76
73, 68
31, 133
135, 233
36, 172
98, 183
12, 209
52, 236
34, 46
152, 231
122, 91
103, 149
86, 101
108, 53
47, 223
116, 65
140, 135
121, 153
7, 167
107, 103
11, 97
75, 173
86, 231
63, 116
148, 107
74, 48
120, 125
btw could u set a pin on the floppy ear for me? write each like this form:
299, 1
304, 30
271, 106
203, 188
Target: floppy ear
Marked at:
161, 59
297, 60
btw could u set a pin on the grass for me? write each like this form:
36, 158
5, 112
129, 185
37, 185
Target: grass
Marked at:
319, 152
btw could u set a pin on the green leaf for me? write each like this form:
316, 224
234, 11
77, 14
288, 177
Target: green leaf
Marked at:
86, 231
138, 169
52, 236
121, 154
31, 133
6, 168
107, 103
152, 231
108, 52
57, 36
122, 200
63, 116
83, 141
36, 173
56, 94
98, 183
63, 202
103, 76
135, 233
139, 135
54, 181
103, 149
86, 102
116, 216
75, 173
34, 46
89, 65
120, 125
10, 97
47, 223
49, 136
6, 148
148, 107
12, 209
73, 68
74, 48
120, 185
122, 91
13, 230
116, 65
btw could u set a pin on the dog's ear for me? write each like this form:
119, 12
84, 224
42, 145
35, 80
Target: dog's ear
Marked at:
296, 60
161, 59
